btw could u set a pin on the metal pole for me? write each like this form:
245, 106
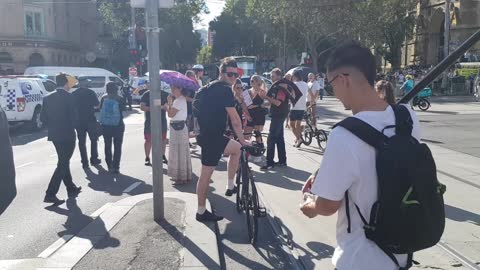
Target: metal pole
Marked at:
132, 18
446, 39
153, 45
284, 46
436, 71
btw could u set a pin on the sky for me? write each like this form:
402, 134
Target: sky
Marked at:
215, 7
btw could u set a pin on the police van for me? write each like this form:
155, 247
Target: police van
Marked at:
21, 97
98, 77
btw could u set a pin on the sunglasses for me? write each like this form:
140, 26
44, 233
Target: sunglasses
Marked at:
334, 78
232, 74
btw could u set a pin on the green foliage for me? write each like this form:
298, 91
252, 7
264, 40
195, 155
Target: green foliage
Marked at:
205, 56
178, 42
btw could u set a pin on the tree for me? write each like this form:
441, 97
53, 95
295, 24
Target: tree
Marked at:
204, 56
178, 42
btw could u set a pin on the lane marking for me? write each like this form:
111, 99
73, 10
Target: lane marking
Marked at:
464, 260
25, 165
55, 246
132, 187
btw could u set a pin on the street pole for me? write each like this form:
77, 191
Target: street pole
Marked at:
446, 40
152, 29
284, 46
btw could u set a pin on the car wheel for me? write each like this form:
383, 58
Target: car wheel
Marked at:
36, 123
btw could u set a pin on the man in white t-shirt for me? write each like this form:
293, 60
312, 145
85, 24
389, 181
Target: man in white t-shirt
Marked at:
349, 163
297, 111
313, 91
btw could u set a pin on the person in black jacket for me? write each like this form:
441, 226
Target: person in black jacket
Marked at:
8, 190
60, 117
86, 102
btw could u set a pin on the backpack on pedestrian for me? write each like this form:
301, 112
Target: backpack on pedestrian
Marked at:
409, 214
110, 114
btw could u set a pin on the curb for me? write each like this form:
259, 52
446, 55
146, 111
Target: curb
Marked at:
199, 249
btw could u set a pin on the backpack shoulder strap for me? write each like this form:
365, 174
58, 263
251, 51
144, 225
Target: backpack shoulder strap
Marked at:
403, 120
364, 131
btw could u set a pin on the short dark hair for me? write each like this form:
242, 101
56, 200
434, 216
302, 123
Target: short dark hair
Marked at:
227, 62
112, 88
61, 79
277, 72
353, 55
297, 74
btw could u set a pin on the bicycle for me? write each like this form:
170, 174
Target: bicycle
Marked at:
247, 196
311, 131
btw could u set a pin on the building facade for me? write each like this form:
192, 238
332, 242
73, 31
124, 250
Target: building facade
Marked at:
427, 46
36, 33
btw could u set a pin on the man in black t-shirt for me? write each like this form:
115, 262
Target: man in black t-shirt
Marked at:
211, 106
145, 106
86, 102
278, 112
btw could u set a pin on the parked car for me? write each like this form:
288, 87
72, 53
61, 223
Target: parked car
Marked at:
21, 97
99, 77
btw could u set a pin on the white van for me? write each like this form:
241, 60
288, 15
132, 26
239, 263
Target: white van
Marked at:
99, 77
21, 97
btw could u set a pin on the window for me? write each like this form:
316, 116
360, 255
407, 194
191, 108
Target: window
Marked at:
96, 81
34, 23
116, 80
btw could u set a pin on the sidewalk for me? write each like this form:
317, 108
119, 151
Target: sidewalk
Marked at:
124, 235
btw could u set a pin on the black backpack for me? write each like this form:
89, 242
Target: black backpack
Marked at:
409, 214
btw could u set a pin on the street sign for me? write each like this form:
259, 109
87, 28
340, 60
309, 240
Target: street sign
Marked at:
161, 3
132, 71
91, 57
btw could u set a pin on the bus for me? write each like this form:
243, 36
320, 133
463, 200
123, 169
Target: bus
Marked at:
247, 63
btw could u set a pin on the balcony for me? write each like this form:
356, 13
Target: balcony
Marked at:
35, 35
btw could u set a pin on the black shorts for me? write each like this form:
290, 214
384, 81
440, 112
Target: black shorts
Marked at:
212, 148
296, 115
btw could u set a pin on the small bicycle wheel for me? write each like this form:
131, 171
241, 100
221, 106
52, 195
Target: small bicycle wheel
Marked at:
307, 136
423, 104
252, 210
322, 139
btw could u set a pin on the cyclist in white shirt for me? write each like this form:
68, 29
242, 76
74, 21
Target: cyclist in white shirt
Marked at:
313, 91
349, 163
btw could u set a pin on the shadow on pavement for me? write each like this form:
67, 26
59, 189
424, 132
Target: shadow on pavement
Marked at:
460, 215
311, 150
188, 244
113, 184
280, 177
77, 220
23, 136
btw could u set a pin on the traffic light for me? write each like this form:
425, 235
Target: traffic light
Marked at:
134, 57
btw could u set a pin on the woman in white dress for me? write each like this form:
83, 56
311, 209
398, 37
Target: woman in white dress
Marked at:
180, 163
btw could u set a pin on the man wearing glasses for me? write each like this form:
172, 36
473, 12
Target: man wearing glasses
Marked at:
211, 106
349, 163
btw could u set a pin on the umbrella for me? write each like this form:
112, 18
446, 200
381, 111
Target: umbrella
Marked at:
304, 71
289, 87
178, 79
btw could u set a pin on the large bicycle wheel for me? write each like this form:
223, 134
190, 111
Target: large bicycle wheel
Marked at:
322, 139
239, 190
252, 211
307, 136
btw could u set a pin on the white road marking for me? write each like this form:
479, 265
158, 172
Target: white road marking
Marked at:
10, 236
55, 246
132, 187
25, 165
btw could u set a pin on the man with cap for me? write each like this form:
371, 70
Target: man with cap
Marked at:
86, 102
198, 69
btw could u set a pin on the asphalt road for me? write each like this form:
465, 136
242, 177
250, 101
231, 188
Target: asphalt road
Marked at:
29, 226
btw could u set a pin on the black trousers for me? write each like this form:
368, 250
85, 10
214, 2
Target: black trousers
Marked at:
113, 134
276, 137
62, 172
82, 141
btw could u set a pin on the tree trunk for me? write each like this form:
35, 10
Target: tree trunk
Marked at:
396, 57
314, 59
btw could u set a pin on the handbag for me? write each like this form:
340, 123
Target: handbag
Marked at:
178, 125
95, 129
